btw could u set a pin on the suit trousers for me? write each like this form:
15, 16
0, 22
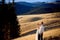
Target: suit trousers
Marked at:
40, 36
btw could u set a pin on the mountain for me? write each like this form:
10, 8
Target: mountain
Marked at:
34, 8
26, 3
23, 7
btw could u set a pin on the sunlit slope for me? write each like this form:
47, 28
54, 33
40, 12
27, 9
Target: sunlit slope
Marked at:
30, 22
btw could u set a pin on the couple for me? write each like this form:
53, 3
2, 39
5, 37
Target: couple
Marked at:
39, 32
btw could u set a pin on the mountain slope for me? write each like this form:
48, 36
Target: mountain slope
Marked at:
34, 8
20, 9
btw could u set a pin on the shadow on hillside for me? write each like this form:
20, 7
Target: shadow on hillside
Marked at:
31, 32
35, 19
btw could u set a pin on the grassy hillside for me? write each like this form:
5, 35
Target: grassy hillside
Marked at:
29, 23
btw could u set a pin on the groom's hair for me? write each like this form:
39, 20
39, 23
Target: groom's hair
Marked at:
41, 22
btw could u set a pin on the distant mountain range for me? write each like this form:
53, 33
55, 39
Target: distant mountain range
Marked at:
35, 8
23, 7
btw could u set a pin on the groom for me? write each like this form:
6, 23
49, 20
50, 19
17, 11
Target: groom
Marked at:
40, 31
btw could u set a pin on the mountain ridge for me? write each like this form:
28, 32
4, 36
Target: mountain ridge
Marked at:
25, 7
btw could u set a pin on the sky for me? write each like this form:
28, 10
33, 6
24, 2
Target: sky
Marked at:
32, 0
36, 0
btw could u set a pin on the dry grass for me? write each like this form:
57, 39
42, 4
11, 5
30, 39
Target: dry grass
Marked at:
51, 33
30, 22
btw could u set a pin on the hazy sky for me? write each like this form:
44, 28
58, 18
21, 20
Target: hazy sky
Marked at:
36, 0
33, 0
